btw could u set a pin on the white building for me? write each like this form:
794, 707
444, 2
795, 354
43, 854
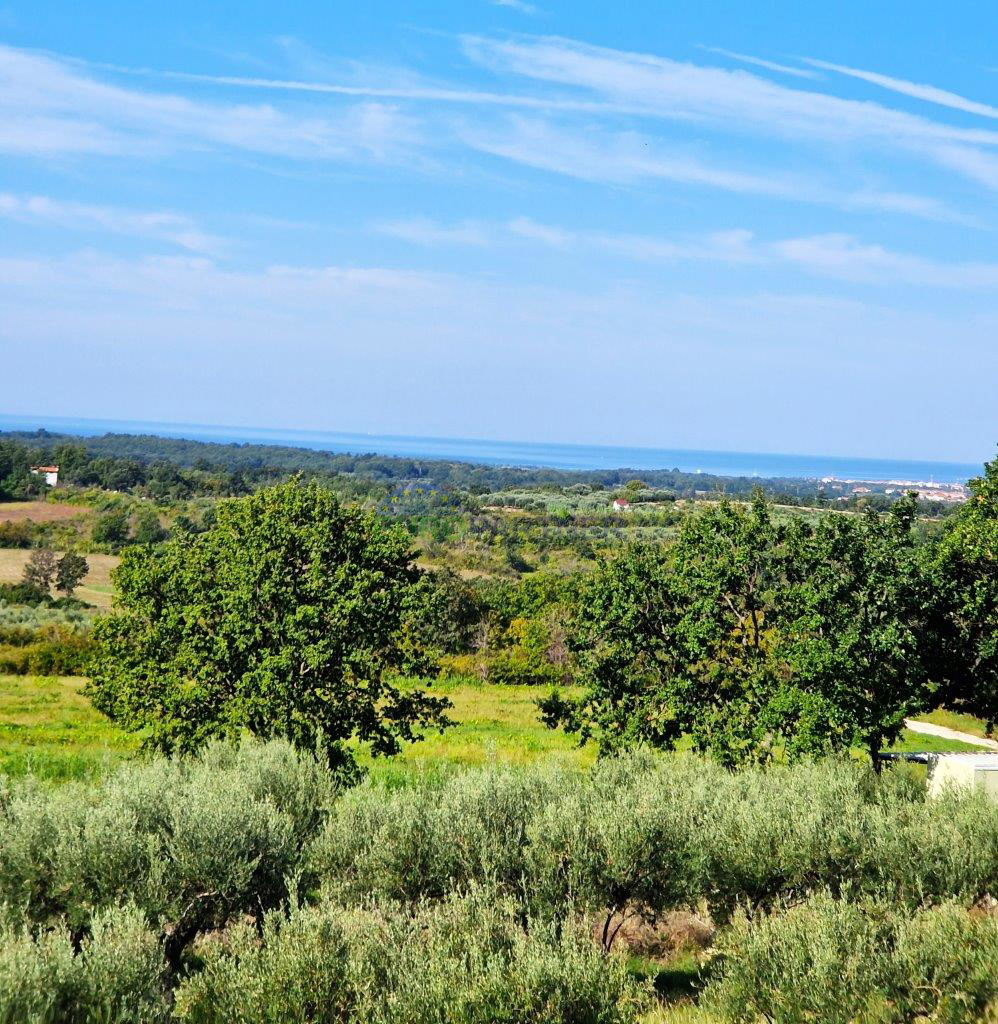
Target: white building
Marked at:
51, 474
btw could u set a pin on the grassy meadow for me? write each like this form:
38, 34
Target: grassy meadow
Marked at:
48, 728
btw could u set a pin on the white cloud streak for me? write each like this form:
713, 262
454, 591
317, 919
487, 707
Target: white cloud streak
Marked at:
759, 62
737, 101
631, 158
835, 256
49, 108
161, 226
424, 231
928, 93
516, 5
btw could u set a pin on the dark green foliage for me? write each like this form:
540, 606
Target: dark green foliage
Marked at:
441, 614
17, 483
111, 529
282, 619
70, 572
757, 638
41, 569
24, 593
172, 468
966, 578
148, 529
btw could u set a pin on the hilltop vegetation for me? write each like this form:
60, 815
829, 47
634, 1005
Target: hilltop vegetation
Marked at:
724, 837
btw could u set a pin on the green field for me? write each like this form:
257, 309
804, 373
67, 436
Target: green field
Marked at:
48, 727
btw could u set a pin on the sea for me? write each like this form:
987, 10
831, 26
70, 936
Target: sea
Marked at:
532, 454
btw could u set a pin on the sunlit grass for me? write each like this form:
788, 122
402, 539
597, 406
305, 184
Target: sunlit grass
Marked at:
956, 720
47, 726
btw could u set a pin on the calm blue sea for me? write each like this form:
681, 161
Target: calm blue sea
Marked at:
521, 453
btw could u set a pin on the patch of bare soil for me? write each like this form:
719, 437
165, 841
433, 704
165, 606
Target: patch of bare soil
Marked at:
38, 512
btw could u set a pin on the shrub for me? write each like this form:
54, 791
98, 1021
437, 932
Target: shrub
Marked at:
840, 962
627, 841
423, 841
52, 651
192, 843
467, 960
117, 977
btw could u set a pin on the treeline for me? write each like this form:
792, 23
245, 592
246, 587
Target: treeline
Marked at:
126, 461
249, 884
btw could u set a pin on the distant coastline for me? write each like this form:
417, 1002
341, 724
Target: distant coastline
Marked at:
533, 454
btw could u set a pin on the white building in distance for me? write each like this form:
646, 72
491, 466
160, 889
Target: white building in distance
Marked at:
51, 474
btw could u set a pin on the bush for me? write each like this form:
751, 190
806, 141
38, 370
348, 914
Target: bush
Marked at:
24, 593
117, 977
422, 842
17, 534
840, 962
191, 843
627, 841
467, 960
54, 651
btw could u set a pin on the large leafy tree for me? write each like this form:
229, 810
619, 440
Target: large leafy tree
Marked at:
855, 631
966, 579
676, 641
282, 619
756, 638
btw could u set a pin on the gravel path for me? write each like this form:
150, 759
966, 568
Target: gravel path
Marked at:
950, 734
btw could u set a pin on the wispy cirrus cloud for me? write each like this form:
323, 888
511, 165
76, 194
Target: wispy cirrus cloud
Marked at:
588, 112
516, 5
631, 158
163, 226
736, 101
49, 107
835, 255
617, 157
928, 93
424, 231
759, 62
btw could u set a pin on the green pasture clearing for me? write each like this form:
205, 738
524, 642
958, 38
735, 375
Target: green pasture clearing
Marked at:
958, 721
48, 727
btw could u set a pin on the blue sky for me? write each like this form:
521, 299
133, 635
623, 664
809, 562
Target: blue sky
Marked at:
749, 226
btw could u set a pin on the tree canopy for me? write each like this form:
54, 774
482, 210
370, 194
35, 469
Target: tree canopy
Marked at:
757, 637
283, 619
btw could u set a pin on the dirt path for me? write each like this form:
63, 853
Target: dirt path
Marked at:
928, 729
